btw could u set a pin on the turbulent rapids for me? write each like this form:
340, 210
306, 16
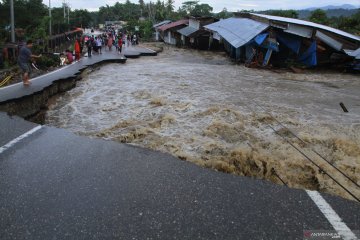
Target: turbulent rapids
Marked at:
202, 108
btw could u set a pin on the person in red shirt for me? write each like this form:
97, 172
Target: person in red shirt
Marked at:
69, 57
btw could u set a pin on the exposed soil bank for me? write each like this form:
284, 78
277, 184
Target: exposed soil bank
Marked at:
202, 108
33, 107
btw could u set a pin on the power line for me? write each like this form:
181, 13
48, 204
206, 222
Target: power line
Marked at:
307, 157
322, 157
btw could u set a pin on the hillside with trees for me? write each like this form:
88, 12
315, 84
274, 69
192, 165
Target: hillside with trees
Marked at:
339, 12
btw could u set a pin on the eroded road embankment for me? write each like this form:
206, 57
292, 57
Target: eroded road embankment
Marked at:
202, 108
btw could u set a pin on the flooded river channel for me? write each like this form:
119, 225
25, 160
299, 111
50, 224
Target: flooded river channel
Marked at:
202, 108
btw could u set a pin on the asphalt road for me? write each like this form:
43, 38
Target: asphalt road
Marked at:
57, 185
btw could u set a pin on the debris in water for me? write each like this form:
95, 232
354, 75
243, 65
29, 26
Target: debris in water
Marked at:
343, 107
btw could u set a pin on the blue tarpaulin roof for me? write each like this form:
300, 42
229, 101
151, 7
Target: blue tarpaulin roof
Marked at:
261, 38
237, 31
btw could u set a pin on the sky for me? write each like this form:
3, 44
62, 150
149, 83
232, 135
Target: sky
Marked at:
218, 5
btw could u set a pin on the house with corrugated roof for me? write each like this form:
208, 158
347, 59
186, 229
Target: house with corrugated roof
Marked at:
194, 35
169, 34
314, 44
234, 33
157, 26
262, 39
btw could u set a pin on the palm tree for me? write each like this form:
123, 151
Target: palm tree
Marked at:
170, 7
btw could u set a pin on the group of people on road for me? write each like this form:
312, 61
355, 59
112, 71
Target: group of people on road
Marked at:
109, 40
93, 43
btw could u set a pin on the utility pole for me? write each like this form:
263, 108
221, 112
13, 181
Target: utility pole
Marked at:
64, 5
150, 11
68, 12
12, 21
50, 33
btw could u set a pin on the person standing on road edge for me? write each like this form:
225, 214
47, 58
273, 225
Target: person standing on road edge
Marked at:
120, 43
99, 44
23, 60
110, 42
89, 46
77, 49
128, 39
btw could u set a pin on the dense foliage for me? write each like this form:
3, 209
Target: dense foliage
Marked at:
32, 19
32, 16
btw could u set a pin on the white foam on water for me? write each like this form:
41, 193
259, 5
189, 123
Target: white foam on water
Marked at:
201, 107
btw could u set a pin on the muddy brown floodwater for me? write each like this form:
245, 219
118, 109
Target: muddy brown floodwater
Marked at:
202, 108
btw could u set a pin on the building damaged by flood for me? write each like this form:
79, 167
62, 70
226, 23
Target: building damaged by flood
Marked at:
263, 40
194, 35
157, 27
169, 34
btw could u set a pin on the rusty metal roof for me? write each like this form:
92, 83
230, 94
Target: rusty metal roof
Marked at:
174, 24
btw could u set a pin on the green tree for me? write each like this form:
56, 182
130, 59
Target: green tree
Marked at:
348, 24
224, 14
29, 21
319, 16
142, 4
160, 11
142, 7
106, 14
57, 19
40, 33
132, 11
181, 13
284, 13
169, 8
189, 6
203, 10
151, 11
146, 29
119, 12
24, 18
80, 18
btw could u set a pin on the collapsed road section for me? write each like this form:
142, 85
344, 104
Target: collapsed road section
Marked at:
54, 184
200, 107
